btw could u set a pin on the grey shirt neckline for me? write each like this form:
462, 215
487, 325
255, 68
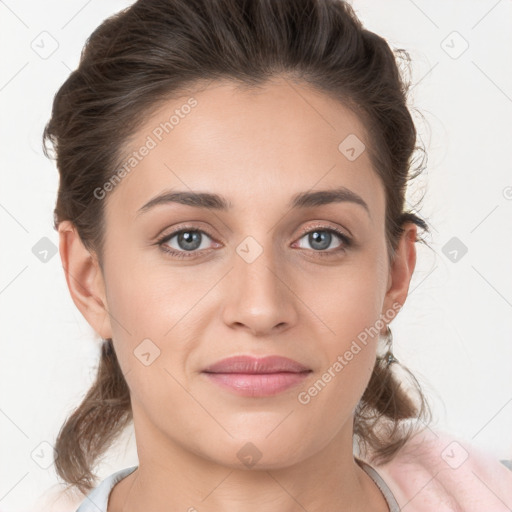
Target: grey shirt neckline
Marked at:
379, 482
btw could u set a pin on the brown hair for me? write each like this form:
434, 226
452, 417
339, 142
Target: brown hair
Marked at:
146, 54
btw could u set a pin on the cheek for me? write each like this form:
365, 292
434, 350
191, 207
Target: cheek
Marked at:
171, 306
157, 316
349, 301
149, 320
147, 300
349, 354
349, 305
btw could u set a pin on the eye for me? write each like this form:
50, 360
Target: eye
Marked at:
184, 243
188, 242
320, 239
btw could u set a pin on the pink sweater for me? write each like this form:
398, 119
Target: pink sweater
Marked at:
436, 472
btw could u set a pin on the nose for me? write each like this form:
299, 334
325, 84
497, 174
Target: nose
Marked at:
259, 298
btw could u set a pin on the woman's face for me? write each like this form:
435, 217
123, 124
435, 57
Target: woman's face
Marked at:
256, 271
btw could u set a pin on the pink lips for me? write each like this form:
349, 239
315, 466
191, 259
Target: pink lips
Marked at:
257, 377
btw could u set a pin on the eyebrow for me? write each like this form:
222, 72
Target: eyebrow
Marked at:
217, 202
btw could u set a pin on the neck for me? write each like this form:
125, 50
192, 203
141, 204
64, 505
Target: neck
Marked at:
173, 478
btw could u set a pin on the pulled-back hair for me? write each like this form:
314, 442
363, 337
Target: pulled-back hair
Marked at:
154, 50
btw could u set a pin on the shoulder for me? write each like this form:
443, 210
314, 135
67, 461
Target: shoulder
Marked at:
437, 471
59, 498
62, 498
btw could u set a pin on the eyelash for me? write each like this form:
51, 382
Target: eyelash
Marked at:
347, 242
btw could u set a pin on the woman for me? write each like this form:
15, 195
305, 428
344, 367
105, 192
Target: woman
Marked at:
232, 223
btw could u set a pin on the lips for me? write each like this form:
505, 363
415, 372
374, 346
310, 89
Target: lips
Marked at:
257, 377
254, 365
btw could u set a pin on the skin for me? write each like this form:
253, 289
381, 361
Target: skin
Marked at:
257, 148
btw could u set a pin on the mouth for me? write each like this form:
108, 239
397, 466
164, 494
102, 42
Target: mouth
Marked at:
257, 377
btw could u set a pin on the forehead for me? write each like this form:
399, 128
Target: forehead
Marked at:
252, 145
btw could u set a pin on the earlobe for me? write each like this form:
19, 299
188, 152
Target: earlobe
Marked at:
84, 279
401, 270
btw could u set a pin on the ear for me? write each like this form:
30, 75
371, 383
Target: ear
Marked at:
401, 270
84, 278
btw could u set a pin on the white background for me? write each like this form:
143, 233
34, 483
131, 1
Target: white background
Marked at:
455, 330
